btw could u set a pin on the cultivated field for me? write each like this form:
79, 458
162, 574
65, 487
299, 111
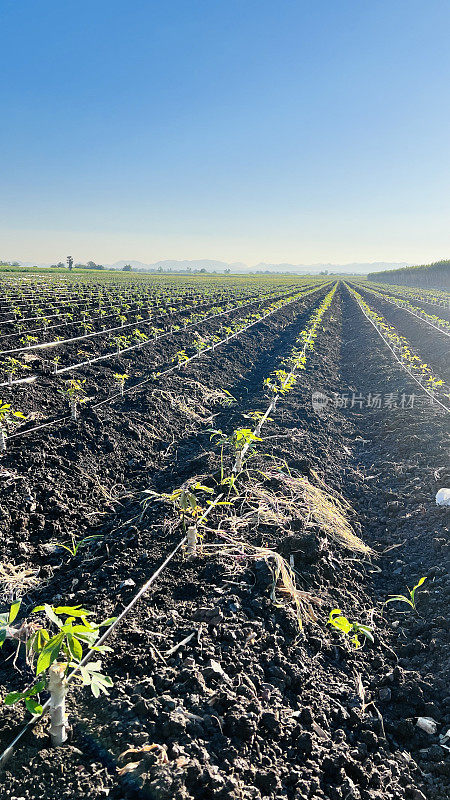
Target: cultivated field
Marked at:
242, 470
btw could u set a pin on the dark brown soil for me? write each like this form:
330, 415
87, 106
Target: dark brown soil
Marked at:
250, 707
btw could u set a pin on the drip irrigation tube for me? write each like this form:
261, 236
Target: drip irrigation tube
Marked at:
60, 342
157, 338
403, 304
146, 586
51, 328
107, 356
138, 385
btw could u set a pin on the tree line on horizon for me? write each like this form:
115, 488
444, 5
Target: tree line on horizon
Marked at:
426, 276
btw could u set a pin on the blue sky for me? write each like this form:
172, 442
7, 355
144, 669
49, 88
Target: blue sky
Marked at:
245, 130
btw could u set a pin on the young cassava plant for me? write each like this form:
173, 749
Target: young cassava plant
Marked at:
8, 418
74, 391
120, 380
57, 649
240, 441
12, 366
349, 629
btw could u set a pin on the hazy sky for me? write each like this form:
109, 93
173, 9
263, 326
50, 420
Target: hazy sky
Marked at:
242, 130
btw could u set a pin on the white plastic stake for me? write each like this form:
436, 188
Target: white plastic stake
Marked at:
2, 441
58, 687
192, 540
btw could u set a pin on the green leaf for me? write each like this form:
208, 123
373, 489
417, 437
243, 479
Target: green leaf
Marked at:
75, 647
40, 639
49, 612
87, 636
44, 661
94, 666
102, 648
337, 620
14, 610
367, 632
33, 706
342, 624
52, 615
400, 597
86, 678
49, 654
72, 611
12, 698
334, 613
69, 550
413, 592
85, 625
105, 680
100, 683
2, 636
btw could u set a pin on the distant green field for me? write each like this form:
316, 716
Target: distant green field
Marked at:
53, 270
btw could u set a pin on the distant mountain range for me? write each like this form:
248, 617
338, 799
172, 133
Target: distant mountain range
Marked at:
237, 266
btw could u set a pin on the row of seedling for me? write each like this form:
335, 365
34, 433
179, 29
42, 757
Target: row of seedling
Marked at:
412, 363
75, 391
431, 319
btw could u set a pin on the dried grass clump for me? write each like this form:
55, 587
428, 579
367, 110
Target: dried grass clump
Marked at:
196, 404
212, 396
186, 405
260, 506
295, 497
15, 581
327, 512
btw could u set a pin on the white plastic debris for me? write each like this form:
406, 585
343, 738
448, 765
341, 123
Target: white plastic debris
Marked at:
444, 739
443, 497
427, 724
319, 731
